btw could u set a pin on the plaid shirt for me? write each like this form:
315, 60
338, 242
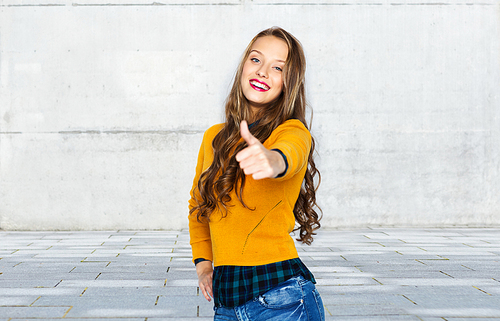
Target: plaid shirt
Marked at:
235, 285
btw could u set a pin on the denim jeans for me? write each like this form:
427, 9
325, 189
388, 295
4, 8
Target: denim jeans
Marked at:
295, 299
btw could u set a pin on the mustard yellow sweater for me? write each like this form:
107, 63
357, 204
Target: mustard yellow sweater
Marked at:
262, 236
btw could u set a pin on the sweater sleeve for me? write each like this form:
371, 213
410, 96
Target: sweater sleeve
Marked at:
199, 232
294, 140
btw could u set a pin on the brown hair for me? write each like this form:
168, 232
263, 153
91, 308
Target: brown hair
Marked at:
224, 174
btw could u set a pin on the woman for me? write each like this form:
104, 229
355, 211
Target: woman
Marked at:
254, 181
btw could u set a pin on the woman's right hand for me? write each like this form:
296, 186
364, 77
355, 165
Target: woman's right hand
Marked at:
205, 273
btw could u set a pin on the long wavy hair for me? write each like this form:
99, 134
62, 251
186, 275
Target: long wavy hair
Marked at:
224, 175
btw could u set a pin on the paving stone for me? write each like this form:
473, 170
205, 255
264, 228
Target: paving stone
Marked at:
466, 274
332, 269
183, 282
456, 312
357, 289
49, 277
346, 281
365, 299
176, 274
454, 301
33, 312
133, 276
388, 274
36, 291
163, 291
172, 312
436, 281
116, 300
435, 291
17, 300
41, 267
111, 283
363, 309
34, 283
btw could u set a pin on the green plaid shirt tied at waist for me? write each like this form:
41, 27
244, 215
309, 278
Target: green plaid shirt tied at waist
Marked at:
235, 285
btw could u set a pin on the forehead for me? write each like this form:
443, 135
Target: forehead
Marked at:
271, 47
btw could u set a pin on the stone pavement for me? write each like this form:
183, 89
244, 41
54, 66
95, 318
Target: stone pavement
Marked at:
363, 274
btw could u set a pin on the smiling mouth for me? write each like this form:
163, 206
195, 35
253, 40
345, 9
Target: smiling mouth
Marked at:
257, 85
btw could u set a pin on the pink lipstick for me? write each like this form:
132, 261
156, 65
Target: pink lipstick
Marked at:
259, 85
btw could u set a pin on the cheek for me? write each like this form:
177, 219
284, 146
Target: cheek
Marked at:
279, 81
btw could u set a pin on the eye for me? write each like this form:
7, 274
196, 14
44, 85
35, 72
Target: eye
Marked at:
255, 60
278, 68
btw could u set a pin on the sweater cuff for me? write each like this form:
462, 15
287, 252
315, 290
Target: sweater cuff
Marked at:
286, 162
196, 261
202, 249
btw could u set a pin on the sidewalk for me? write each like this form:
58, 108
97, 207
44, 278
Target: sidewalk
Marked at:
363, 274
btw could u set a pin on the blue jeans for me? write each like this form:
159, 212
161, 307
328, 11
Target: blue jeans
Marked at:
295, 299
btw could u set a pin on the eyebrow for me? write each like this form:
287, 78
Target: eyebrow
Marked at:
279, 60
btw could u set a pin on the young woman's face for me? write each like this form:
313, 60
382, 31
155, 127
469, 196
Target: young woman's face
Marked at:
262, 76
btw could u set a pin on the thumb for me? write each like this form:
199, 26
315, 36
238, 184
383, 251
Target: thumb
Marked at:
246, 135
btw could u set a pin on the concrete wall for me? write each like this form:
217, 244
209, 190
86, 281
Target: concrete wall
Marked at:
103, 105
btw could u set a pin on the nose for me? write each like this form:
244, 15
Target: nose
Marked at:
262, 72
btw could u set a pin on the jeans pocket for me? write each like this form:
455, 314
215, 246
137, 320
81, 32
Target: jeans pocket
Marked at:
285, 295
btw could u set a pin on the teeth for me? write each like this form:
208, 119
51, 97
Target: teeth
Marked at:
259, 85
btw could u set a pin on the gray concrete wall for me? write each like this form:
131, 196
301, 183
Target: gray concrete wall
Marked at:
103, 105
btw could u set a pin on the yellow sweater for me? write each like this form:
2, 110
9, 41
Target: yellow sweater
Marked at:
262, 236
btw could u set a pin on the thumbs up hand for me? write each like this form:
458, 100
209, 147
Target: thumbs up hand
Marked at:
256, 160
